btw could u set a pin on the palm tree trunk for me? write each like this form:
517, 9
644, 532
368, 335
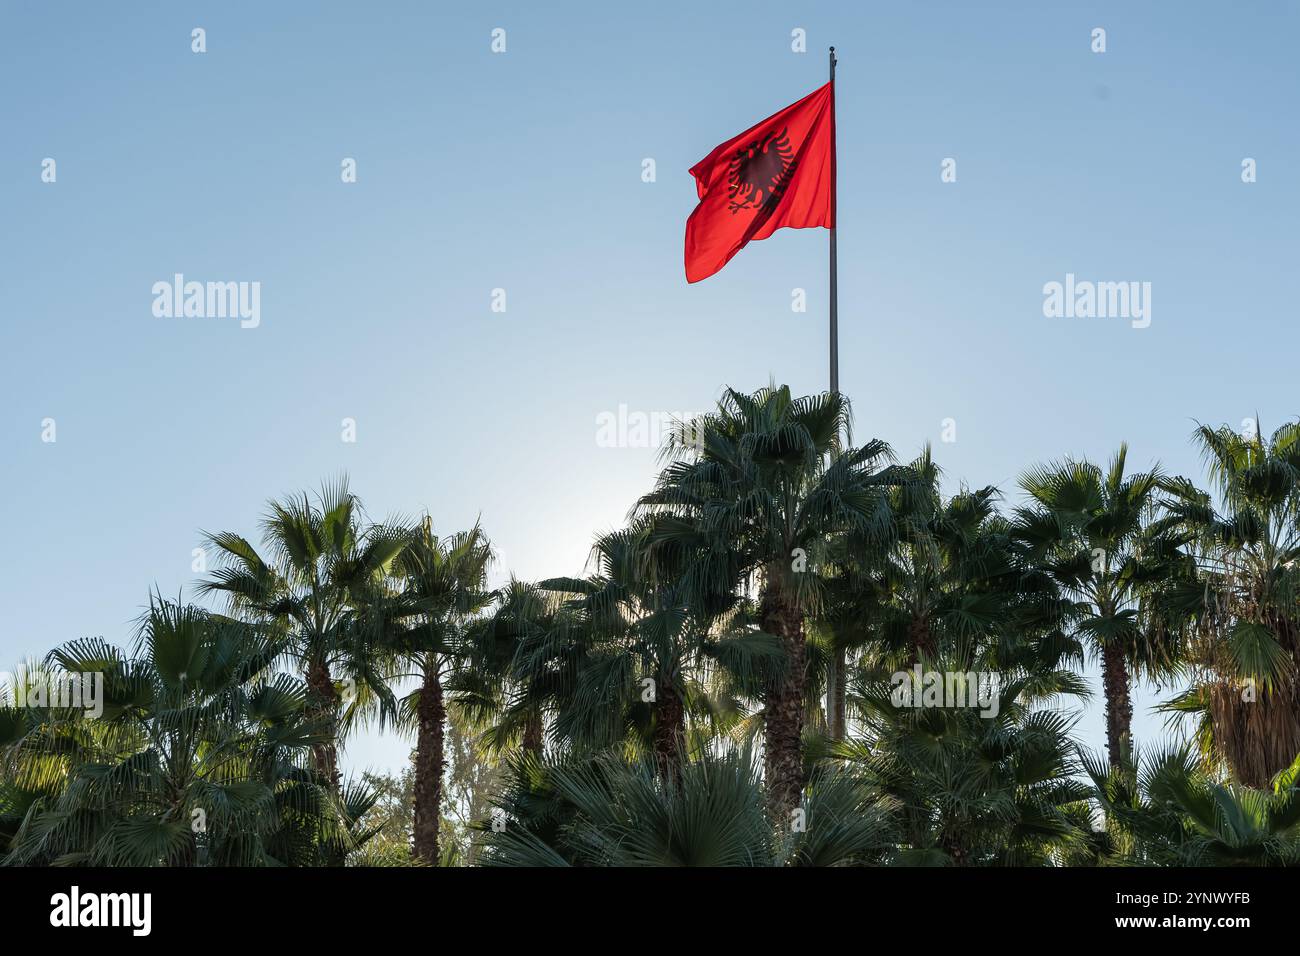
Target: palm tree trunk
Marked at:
952, 844
783, 706
430, 763
1119, 703
1257, 729
322, 708
836, 695
533, 735
922, 640
669, 733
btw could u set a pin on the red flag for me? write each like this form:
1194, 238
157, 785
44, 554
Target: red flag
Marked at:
778, 173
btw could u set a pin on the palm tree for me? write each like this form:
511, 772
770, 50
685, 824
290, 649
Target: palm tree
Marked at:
507, 681
975, 791
444, 587
758, 487
987, 779
948, 578
200, 756
1092, 533
647, 652
602, 811
41, 747
1243, 601
323, 568
1167, 811
950, 575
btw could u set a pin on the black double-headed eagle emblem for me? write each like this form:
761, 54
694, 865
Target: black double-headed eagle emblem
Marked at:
760, 172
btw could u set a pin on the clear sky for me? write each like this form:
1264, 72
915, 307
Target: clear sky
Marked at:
522, 171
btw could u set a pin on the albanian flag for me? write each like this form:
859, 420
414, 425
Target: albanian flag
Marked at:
778, 173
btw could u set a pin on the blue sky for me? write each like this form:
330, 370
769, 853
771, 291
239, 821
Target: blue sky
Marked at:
522, 171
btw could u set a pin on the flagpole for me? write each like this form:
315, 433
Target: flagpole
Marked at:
837, 664
835, 318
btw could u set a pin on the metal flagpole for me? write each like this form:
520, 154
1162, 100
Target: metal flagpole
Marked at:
835, 666
835, 327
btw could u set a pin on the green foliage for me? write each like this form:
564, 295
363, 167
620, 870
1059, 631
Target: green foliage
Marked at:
603, 811
199, 757
1167, 811
614, 719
